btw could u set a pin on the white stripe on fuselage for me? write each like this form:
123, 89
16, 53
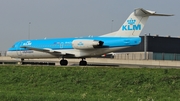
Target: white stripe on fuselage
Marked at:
31, 54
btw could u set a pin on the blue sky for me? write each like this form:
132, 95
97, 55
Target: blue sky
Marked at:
72, 18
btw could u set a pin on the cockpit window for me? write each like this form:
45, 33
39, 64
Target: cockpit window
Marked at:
13, 46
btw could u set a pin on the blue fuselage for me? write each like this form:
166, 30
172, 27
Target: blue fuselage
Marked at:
70, 47
66, 43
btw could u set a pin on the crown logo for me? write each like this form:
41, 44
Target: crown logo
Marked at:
131, 21
80, 44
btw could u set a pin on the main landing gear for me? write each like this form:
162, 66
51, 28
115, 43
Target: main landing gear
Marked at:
83, 62
64, 62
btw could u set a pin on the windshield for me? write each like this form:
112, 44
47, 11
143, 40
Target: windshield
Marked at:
13, 46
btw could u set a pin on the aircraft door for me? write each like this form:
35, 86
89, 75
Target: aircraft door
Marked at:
18, 49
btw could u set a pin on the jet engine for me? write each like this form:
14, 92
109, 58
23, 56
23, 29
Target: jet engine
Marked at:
86, 44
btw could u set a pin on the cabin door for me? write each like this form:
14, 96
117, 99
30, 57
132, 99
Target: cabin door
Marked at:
18, 49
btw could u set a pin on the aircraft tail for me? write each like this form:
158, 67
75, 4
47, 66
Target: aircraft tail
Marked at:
134, 24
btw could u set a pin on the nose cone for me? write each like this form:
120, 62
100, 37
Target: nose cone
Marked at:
8, 53
11, 52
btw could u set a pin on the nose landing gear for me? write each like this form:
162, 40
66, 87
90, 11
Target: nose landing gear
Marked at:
22, 60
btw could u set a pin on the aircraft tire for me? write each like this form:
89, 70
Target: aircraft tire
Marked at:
63, 62
82, 63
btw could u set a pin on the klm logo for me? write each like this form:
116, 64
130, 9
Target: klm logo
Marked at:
27, 43
80, 44
131, 25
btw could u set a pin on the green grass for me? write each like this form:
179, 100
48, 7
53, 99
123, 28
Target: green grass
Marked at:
49, 83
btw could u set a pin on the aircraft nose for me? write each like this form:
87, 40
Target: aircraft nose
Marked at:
8, 53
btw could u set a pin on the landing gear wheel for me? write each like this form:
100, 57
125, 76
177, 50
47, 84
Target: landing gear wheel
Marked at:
63, 62
82, 63
22, 61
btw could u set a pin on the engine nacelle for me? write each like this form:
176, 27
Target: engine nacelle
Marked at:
86, 44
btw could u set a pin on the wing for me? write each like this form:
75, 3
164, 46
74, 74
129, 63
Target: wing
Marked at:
48, 50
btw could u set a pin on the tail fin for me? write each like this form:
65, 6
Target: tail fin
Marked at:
134, 24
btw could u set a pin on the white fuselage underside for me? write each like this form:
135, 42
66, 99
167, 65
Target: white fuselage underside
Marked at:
32, 54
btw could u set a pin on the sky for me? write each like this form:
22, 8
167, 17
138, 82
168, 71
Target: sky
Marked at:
37, 19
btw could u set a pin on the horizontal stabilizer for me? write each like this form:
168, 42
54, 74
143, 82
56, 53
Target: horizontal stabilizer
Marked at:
143, 12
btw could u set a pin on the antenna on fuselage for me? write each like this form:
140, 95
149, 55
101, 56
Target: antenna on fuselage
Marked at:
29, 30
112, 25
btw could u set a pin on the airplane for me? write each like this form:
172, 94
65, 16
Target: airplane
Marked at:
84, 47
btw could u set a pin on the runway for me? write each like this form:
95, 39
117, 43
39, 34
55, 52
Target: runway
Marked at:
97, 62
